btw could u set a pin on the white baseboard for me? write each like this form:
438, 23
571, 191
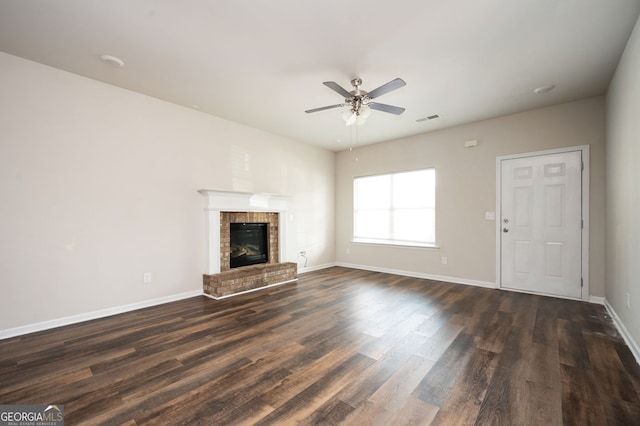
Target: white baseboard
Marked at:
455, 280
597, 300
633, 346
60, 322
316, 268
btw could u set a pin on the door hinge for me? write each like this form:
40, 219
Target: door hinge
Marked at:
581, 283
582, 223
582, 162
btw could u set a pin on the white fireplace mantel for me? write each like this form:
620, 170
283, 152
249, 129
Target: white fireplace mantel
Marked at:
228, 201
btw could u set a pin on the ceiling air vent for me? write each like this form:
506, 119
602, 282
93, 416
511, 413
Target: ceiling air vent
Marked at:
427, 118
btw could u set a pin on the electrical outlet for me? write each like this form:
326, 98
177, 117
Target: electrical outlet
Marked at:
303, 253
444, 260
628, 301
348, 250
146, 277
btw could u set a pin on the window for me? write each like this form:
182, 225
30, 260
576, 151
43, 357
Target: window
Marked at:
396, 208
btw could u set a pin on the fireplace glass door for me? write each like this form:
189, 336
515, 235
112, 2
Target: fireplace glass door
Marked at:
249, 244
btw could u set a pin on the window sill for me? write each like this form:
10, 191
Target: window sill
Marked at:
402, 244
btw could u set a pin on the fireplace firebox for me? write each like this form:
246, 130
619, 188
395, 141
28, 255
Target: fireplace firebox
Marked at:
249, 244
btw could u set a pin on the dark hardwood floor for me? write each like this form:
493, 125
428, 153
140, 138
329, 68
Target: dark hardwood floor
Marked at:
341, 346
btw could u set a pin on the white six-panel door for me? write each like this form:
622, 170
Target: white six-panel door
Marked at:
541, 224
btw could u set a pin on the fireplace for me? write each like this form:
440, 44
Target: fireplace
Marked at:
229, 210
249, 244
248, 238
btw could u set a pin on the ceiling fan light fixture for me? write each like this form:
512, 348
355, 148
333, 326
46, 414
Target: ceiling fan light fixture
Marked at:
349, 117
362, 115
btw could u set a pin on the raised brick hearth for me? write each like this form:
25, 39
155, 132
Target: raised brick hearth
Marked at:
247, 278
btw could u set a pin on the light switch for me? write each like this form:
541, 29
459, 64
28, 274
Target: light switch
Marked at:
490, 215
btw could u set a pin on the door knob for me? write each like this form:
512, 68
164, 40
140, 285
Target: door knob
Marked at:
505, 229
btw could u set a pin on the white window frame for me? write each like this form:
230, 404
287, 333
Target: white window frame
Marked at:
391, 211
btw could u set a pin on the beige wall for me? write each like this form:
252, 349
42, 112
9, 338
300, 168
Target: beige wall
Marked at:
98, 186
623, 187
466, 189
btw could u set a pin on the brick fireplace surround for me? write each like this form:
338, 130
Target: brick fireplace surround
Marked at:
221, 210
227, 218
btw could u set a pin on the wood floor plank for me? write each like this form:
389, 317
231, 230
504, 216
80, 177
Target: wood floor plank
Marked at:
303, 378
340, 346
439, 341
494, 333
301, 406
620, 412
542, 391
525, 307
463, 403
604, 358
500, 401
571, 345
437, 385
581, 403
359, 389
629, 364
545, 330
247, 414
332, 412
391, 397
504, 395
414, 412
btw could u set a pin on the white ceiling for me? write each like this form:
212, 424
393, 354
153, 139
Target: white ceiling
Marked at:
262, 63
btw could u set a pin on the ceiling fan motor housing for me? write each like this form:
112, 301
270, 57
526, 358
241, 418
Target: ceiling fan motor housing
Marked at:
356, 83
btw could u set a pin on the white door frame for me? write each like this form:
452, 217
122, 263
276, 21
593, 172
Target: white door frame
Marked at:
585, 211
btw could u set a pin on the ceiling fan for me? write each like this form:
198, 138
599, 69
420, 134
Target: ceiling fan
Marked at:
360, 102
